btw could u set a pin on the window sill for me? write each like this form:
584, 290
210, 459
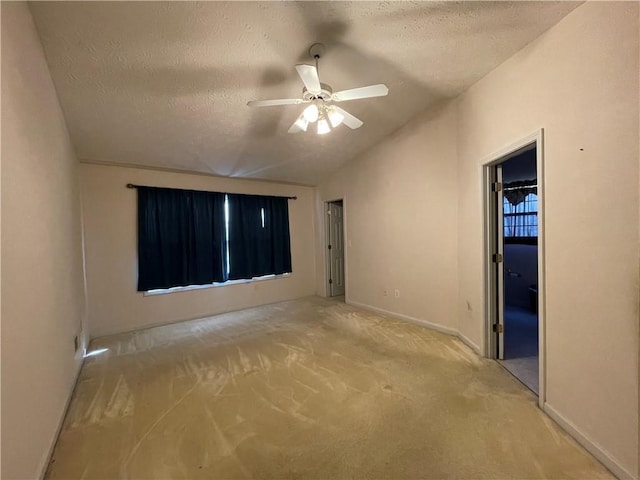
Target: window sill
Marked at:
163, 291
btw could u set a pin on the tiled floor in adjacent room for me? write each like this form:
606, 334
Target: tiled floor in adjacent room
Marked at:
521, 345
310, 388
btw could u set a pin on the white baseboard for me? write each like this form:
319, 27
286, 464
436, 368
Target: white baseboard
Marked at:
592, 447
44, 468
419, 321
467, 341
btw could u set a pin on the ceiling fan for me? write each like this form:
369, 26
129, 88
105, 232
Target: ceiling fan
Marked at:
320, 98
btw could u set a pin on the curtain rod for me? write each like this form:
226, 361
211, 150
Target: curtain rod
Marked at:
522, 187
131, 185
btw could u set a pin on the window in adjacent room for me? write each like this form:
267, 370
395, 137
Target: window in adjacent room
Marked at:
521, 219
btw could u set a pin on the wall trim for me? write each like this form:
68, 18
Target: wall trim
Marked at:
421, 322
65, 411
469, 343
592, 447
418, 321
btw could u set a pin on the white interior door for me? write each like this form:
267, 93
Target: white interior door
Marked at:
336, 249
500, 260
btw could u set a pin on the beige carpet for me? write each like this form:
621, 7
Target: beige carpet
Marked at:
306, 389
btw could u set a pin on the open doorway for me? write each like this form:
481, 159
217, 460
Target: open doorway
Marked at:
520, 263
514, 262
335, 248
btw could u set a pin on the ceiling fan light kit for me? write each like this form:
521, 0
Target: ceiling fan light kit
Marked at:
335, 117
323, 126
311, 112
300, 124
320, 96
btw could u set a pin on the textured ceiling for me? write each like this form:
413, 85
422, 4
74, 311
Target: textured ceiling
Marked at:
166, 84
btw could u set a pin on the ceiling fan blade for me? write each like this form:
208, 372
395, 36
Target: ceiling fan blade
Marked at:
349, 120
300, 125
272, 103
379, 90
309, 76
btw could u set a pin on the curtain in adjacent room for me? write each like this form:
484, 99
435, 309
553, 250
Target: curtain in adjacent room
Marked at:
181, 238
517, 191
259, 242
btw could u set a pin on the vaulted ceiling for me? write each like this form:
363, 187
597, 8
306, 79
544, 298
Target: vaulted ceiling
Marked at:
165, 84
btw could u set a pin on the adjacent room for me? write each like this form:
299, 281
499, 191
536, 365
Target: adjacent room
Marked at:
320, 240
518, 209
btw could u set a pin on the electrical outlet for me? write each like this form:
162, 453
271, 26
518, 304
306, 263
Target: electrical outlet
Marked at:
397, 293
385, 293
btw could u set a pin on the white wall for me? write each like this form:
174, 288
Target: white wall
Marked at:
579, 81
42, 282
400, 210
414, 215
109, 219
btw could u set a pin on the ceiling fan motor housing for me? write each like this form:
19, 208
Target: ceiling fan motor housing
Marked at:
323, 94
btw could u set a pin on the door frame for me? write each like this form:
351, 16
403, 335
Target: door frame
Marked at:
490, 281
327, 259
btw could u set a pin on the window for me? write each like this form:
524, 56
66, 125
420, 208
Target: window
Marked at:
259, 242
521, 220
191, 238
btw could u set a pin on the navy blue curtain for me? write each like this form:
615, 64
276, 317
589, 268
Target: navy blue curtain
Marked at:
259, 242
181, 238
